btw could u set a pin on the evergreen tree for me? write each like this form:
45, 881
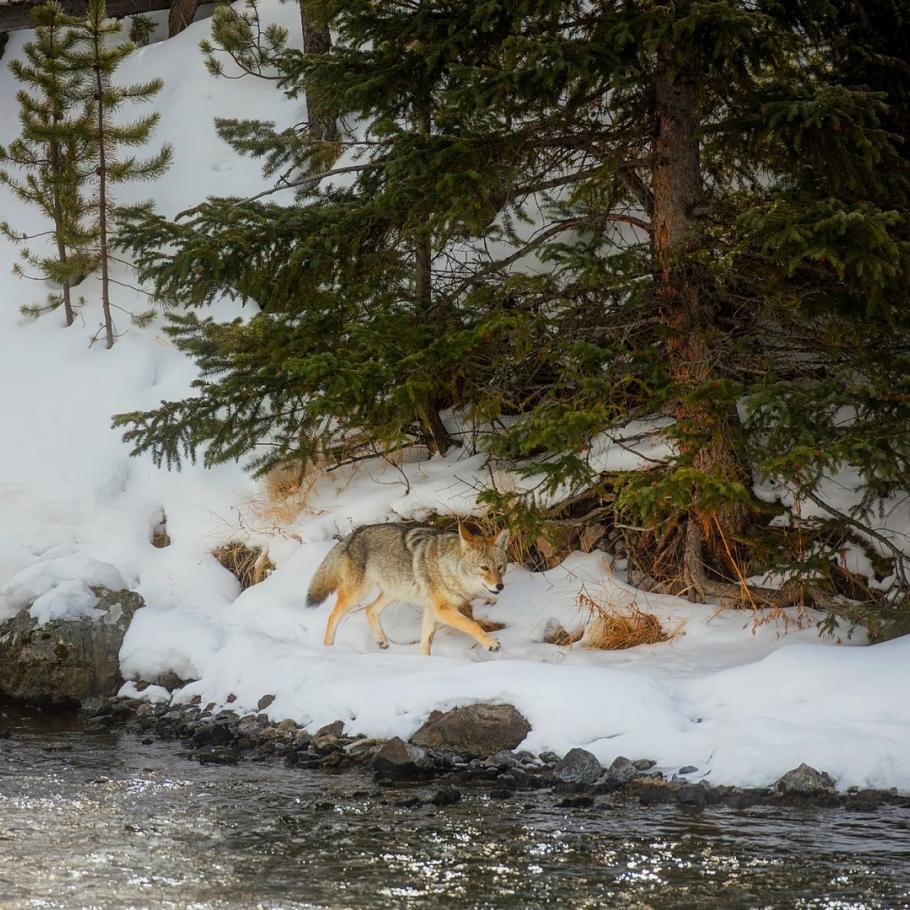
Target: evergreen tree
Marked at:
559, 218
96, 56
51, 148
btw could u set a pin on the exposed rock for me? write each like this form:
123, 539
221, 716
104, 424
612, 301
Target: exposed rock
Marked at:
397, 758
804, 780
168, 680
446, 796
622, 770
576, 802
66, 660
473, 729
336, 728
578, 766
644, 764
265, 701
687, 769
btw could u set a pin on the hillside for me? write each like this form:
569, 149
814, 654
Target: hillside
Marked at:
740, 700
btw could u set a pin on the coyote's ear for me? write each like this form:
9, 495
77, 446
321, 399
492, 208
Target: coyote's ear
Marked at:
502, 538
467, 538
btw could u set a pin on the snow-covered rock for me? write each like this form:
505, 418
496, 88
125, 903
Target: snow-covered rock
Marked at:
69, 658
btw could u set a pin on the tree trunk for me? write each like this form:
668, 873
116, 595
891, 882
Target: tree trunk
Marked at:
102, 202
317, 40
181, 14
687, 311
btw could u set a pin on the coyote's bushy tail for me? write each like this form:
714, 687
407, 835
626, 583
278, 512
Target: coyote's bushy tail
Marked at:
327, 577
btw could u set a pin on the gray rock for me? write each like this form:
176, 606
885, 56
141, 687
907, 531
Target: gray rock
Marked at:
265, 701
473, 730
397, 758
622, 770
644, 764
66, 660
336, 728
578, 766
688, 769
804, 780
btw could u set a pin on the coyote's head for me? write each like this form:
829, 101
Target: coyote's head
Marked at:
483, 559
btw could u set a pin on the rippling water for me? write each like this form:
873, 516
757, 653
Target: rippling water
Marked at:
110, 822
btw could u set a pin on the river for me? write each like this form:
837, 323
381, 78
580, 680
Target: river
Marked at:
113, 821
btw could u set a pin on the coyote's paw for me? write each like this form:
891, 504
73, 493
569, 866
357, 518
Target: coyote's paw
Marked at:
494, 646
383, 644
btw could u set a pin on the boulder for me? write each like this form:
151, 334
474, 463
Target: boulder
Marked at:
578, 766
622, 770
473, 730
804, 780
397, 758
65, 661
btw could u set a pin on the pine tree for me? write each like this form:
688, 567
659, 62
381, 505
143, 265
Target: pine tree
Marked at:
51, 149
97, 57
684, 211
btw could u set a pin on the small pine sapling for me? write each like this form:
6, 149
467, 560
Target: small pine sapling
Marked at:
98, 54
49, 150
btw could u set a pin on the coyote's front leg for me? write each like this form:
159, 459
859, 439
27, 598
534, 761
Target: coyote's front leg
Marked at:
445, 613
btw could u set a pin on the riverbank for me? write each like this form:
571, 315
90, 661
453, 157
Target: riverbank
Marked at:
575, 780
120, 819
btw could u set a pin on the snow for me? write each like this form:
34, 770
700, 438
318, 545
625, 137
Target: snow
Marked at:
741, 701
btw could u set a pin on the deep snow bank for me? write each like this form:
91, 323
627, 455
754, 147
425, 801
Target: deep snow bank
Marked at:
742, 706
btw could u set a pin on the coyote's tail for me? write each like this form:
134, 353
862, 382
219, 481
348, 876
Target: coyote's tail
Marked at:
327, 577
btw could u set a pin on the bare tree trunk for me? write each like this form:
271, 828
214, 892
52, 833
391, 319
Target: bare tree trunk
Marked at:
689, 314
182, 13
56, 166
102, 202
317, 40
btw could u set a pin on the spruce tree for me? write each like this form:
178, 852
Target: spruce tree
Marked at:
96, 56
51, 149
684, 211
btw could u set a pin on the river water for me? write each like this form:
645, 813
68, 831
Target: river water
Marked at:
111, 821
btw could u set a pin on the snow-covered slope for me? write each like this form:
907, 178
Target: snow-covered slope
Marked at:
742, 704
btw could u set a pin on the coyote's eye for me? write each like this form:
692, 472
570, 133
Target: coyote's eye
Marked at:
484, 568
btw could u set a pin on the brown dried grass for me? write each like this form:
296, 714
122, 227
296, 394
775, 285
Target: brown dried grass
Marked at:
249, 565
287, 488
609, 628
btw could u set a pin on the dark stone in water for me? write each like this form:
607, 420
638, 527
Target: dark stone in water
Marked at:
655, 794
446, 796
397, 758
473, 730
502, 793
576, 802
578, 766
216, 756
411, 802
644, 764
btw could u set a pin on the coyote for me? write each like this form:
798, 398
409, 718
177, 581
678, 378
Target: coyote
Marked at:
437, 570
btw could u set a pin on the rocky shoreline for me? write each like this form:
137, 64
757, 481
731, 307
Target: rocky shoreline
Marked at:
576, 779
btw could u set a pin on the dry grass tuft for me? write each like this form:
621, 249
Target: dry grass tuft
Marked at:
287, 488
249, 565
608, 628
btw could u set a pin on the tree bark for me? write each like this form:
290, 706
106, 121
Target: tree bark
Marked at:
694, 345
181, 14
317, 40
102, 199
